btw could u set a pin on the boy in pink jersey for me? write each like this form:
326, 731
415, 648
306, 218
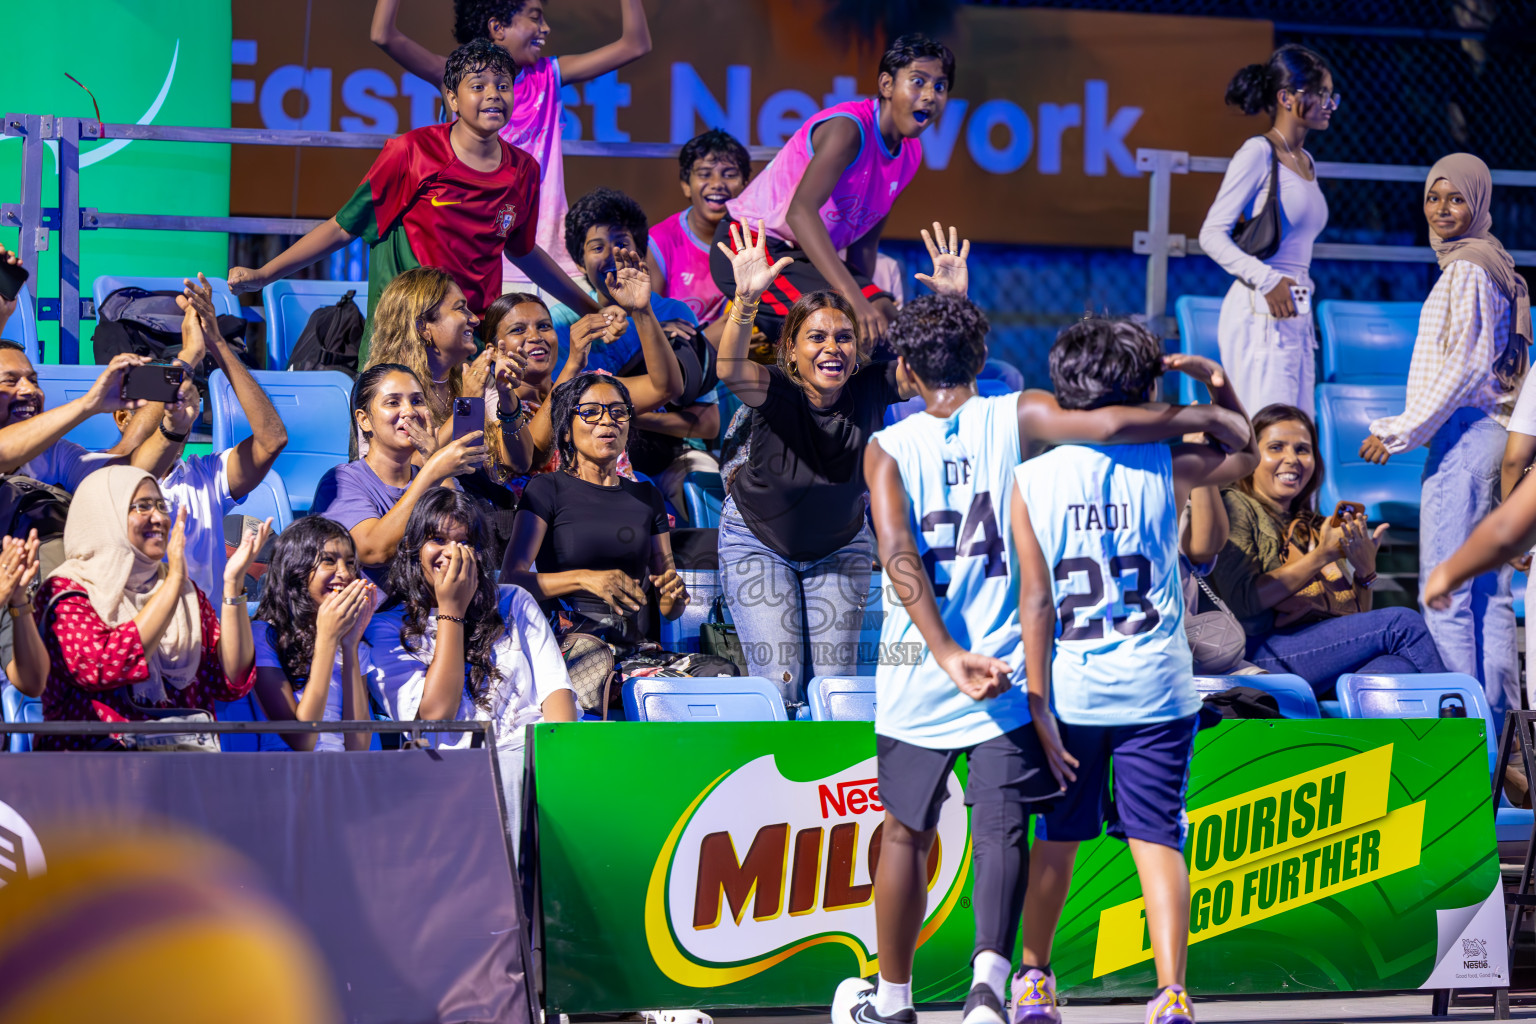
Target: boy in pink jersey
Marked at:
714, 168
833, 184
533, 124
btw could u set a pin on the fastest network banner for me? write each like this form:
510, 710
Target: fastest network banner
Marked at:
1335, 855
1037, 145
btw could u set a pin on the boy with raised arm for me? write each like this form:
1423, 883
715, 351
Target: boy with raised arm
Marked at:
833, 184
533, 124
939, 482
1096, 530
452, 195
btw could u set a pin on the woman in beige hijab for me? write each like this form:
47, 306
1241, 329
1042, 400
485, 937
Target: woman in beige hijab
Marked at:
126, 629
1468, 363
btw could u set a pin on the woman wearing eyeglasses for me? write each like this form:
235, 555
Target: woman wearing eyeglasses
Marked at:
587, 541
1265, 331
127, 631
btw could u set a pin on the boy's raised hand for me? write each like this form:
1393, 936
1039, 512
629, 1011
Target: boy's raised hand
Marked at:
629, 282
244, 279
950, 274
749, 261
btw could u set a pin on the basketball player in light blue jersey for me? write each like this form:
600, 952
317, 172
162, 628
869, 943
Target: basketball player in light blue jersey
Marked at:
939, 482
1096, 530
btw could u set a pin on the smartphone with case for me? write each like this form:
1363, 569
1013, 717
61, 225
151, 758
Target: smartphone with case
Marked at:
12, 277
1352, 507
152, 382
468, 416
1301, 294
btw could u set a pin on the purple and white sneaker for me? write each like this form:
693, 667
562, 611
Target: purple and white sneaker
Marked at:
1171, 1006
1034, 998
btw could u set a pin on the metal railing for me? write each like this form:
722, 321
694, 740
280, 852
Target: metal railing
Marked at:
1158, 243
484, 731
70, 218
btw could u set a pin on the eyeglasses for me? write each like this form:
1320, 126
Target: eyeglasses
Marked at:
148, 506
1329, 101
592, 412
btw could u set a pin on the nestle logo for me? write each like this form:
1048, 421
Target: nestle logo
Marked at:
852, 797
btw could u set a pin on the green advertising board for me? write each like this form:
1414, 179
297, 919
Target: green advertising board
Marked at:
729, 865
146, 62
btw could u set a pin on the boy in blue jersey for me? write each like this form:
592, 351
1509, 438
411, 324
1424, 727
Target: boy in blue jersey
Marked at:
938, 482
1096, 530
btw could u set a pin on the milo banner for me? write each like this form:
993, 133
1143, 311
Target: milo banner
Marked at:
731, 865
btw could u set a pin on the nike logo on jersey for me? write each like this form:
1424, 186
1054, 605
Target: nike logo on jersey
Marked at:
445, 202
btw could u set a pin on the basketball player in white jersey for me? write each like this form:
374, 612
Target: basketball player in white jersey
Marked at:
938, 483
1096, 531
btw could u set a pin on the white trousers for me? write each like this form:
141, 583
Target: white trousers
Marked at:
1268, 361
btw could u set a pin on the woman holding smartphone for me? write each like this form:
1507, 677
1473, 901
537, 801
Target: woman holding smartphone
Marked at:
1265, 332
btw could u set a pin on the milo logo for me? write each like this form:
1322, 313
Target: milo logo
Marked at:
759, 868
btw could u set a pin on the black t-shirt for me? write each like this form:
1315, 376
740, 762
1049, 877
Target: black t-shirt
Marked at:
802, 488
596, 527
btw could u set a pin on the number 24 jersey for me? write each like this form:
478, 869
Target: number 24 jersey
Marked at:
1107, 522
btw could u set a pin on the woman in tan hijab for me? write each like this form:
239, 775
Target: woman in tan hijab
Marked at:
126, 629
1467, 367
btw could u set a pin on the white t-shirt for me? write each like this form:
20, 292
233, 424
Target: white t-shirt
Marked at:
202, 484
65, 464
266, 657
527, 656
1244, 191
1523, 419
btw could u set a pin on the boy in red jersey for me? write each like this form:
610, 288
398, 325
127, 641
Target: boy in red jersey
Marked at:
452, 195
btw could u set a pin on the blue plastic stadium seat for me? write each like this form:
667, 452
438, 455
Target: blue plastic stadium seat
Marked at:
316, 409
1390, 493
1513, 824
1292, 693
704, 494
242, 710
224, 300
868, 653
987, 387
62, 384
289, 305
1367, 342
1198, 316
682, 633
842, 698
1001, 369
718, 699
1416, 696
1519, 583
20, 708
268, 499
22, 326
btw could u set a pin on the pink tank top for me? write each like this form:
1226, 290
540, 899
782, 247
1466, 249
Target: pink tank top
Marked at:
534, 127
863, 195
684, 264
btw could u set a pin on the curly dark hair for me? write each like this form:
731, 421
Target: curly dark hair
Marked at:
437, 511
604, 206
717, 143
285, 602
913, 47
943, 338
1098, 362
471, 18
474, 56
567, 397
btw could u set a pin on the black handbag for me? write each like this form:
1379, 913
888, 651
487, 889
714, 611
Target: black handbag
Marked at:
718, 637
1259, 235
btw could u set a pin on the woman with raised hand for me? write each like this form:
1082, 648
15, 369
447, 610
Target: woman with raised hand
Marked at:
452, 645
127, 631
22, 652
314, 609
1266, 338
795, 551
396, 459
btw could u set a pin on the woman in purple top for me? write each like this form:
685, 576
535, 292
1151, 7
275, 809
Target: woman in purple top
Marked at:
396, 458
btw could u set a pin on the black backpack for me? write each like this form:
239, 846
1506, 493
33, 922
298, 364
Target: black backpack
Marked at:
27, 504
331, 339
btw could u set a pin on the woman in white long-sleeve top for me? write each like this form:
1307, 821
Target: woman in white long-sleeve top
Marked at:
1266, 343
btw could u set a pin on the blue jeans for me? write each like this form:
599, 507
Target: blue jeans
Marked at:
1476, 635
1390, 641
795, 620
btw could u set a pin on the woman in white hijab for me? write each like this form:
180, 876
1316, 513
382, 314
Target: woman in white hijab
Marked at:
126, 630
1468, 363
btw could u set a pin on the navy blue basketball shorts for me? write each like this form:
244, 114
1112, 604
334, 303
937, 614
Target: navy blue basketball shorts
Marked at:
914, 780
1146, 798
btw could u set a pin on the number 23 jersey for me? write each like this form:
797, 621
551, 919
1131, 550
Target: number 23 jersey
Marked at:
1108, 526
956, 472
